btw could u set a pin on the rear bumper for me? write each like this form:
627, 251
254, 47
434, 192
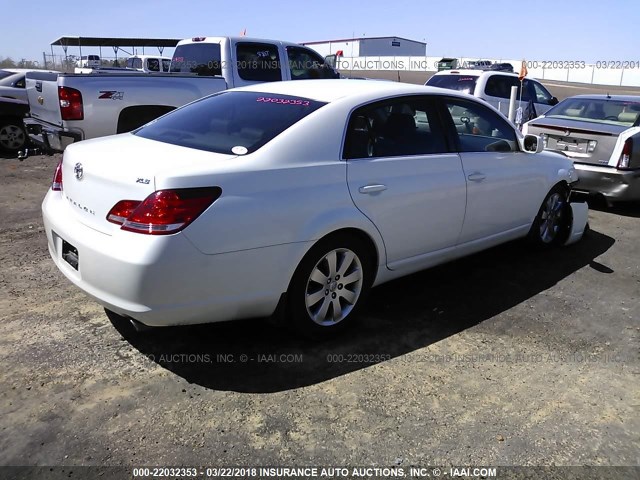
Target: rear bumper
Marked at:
165, 280
614, 184
51, 137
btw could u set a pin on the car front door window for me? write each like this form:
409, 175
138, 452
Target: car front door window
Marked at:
306, 64
480, 129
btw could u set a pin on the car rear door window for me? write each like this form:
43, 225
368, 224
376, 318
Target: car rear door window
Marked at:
480, 129
500, 86
401, 127
258, 62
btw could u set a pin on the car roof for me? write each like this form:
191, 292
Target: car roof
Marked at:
143, 57
476, 72
220, 40
25, 70
331, 90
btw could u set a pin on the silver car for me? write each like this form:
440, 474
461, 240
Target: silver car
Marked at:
601, 134
12, 82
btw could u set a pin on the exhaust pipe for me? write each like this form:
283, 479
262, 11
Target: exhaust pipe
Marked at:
139, 327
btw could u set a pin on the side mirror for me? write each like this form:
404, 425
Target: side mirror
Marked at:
533, 144
553, 101
331, 60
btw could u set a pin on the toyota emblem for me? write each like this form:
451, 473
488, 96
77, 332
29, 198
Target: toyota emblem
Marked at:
79, 172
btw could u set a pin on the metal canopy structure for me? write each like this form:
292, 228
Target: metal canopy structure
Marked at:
117, 43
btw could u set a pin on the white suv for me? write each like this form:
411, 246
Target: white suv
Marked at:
495, 88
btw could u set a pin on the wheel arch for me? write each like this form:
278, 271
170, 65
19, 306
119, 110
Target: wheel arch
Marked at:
13, 118
374, 246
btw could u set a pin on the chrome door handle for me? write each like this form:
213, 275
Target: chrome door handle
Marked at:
477, 177
372, 188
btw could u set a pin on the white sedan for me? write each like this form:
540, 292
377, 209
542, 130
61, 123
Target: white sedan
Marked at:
297, 197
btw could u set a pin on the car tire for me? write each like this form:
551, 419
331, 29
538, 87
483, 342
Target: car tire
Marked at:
553, 222
13, 136
329, 286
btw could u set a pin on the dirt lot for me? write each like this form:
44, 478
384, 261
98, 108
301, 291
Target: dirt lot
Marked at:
509, 357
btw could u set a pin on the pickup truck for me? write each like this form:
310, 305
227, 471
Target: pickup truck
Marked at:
67, 108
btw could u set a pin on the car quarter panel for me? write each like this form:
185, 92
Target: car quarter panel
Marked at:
164, 280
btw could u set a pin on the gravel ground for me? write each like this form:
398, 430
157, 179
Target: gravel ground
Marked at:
509, 357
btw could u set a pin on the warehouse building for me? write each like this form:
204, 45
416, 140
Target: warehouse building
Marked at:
370, 47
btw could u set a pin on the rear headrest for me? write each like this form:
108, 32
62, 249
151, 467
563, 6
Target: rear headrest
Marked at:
399, 124
573, 112
628, 117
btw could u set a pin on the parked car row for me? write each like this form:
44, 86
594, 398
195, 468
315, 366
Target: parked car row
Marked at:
296, 198
447, 63
599, 133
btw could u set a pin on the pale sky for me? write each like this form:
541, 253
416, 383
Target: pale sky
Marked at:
588, 30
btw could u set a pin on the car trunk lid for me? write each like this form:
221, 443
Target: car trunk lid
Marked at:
97, 174
583, 142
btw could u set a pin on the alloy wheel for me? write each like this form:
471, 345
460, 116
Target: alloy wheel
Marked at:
334, 286
12, 137
552, 217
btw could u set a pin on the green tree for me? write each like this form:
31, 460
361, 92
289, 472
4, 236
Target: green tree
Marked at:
7, 63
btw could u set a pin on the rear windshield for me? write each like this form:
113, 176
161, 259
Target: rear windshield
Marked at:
5, 74
235, 123
462, 83
201, 58
616, 112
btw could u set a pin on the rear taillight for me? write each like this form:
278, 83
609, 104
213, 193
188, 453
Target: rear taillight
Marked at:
164, 211
625, 156
70, 103
56, 184
122, 210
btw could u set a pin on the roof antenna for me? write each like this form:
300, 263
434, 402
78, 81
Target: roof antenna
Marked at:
608, 96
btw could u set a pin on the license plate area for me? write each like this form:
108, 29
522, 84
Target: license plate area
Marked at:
70, 254
571, 145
